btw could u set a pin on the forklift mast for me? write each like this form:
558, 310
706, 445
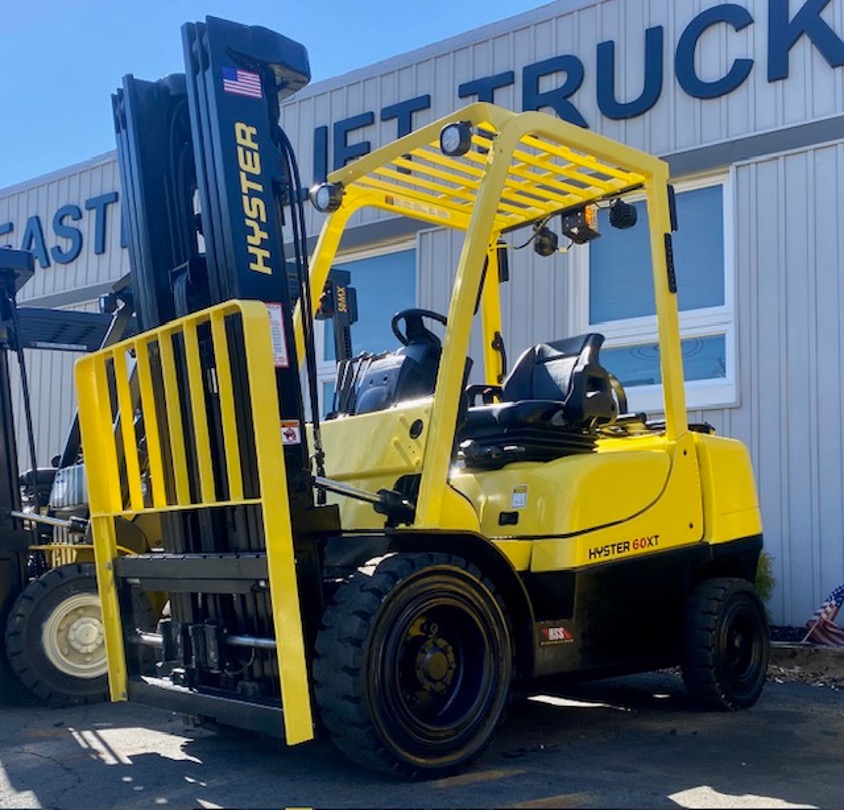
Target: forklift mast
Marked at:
209, 183
16, 267
211, 134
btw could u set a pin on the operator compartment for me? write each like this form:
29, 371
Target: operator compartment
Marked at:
376, 431
382, 449
548, 433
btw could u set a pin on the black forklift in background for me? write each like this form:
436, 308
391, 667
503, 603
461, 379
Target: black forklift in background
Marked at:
50, 620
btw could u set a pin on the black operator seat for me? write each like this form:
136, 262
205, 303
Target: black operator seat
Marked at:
408, 373
552, 401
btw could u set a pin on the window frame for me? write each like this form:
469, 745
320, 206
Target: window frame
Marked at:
704, 322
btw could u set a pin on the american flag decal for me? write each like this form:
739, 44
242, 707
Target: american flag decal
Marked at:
242, 82
822, 628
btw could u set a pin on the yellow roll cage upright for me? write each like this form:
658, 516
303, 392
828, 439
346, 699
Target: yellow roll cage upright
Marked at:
525, 168
440, 575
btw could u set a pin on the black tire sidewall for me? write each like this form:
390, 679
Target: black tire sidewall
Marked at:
356, 625
742, 604
408, 597
715, 606
24, 632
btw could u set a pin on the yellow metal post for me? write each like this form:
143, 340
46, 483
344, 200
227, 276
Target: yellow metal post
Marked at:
668, 319
491, 319
222, 362
281, 563
326, 249
176, 432
202, 441
456, 344
149, 410
105, 499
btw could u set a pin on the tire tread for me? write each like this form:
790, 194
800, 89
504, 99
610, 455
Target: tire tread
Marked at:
346, 625
700, 655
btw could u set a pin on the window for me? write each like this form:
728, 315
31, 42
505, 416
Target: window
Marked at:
619, 300
385, 283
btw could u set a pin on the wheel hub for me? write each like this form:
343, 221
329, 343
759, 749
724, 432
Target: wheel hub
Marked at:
73, 637
435, 665
740, 650
85, 634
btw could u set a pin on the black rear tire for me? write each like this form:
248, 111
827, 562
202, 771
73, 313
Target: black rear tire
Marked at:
726, 650
61, 675
413, 665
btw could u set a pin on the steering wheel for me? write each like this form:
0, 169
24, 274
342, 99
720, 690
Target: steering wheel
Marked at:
413, 323
620, 394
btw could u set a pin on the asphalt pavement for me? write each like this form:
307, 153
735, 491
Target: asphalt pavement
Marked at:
632, 742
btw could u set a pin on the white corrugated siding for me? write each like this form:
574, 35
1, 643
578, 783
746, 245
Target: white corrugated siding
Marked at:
536, 305
789, 259
50, 374
43, 199
677, 122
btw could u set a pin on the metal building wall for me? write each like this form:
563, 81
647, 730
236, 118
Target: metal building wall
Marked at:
82, 279
790, 296
788, 247
537, 304
676, 123
786, 211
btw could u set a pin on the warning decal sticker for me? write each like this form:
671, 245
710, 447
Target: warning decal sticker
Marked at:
280, 357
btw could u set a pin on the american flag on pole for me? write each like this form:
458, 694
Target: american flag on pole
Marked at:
241, 82
822, 628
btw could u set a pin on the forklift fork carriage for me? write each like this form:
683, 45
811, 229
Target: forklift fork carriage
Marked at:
240, 336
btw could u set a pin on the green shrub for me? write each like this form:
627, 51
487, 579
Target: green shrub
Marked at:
765, 579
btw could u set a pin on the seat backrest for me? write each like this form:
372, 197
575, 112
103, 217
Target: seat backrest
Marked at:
566, 371
408, 373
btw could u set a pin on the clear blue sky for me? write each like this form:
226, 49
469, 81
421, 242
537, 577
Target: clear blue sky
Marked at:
60, 60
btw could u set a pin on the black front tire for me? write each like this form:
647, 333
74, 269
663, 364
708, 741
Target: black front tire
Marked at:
54, 637
727, 646
413, 665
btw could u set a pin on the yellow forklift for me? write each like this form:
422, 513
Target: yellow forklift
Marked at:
401, 565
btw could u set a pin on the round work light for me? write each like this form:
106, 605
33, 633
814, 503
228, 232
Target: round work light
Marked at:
545, 242
326, 197
456, 139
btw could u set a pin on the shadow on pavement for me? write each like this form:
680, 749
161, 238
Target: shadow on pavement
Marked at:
628, 742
